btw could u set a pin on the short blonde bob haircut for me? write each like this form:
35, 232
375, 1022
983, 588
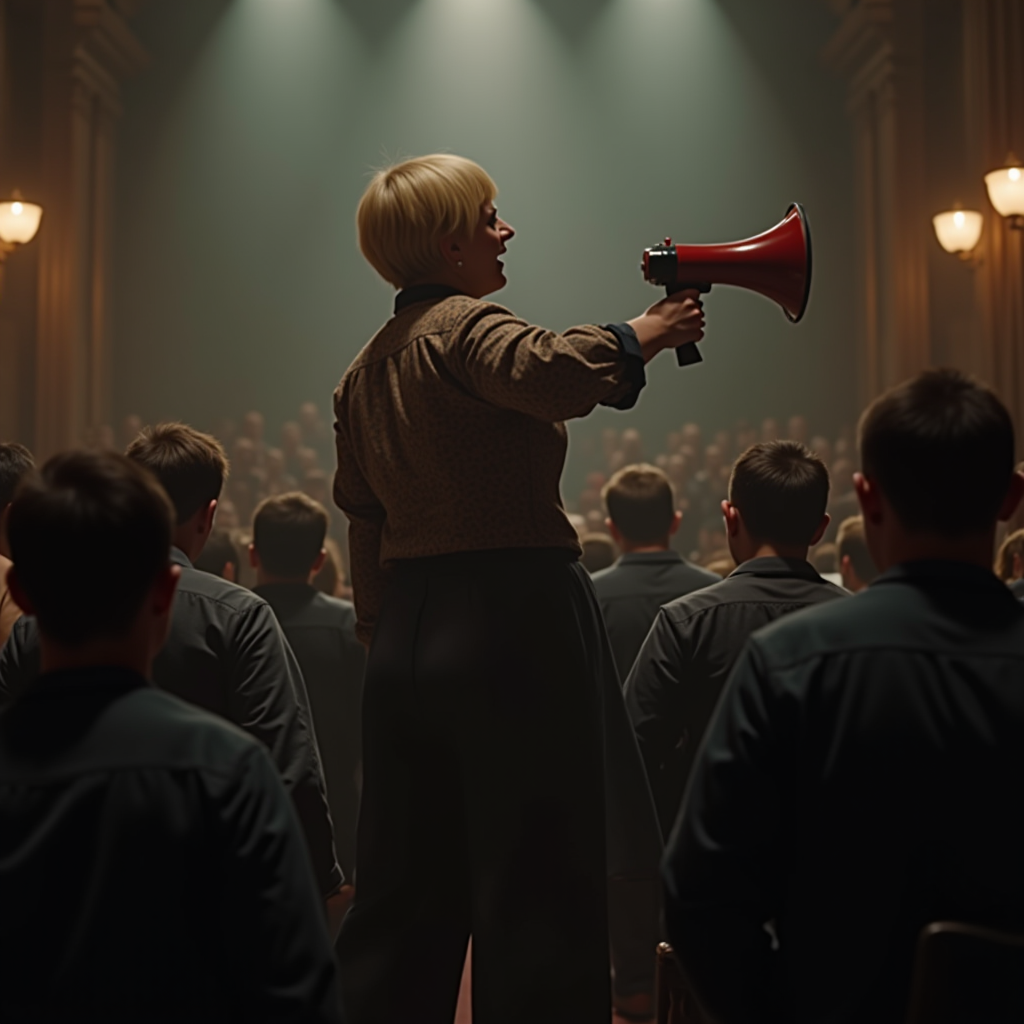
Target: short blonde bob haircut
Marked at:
408, 207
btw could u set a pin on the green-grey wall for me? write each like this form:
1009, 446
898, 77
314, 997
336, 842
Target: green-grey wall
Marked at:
606, 123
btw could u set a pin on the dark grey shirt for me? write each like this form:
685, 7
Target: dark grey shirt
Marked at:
321, 630
632, 590
151, 865
864, 775
226, 653
685, 661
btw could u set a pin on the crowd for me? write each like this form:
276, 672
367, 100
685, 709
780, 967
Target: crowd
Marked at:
782, 723
699, 469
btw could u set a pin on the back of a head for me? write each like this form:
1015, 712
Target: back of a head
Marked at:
408, 207
940, 448
640, 502
850, 543
218, 552
598, 551
781, 490
288, 532
15, 462
102, 517
190, 465
1010, 558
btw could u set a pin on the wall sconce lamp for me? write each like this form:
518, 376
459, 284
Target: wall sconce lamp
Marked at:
1006, 191
19, 222
958, 230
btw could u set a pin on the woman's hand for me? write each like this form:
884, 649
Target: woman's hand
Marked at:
676, 320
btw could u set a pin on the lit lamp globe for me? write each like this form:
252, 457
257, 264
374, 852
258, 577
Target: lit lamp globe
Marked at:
958, 230
1006, 191
19, 221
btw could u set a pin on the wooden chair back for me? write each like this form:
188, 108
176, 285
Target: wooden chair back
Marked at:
964, 974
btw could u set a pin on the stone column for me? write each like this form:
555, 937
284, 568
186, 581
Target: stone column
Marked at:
994, 74
877, 48
87, 49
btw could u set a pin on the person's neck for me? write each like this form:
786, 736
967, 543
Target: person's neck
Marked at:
189, 543
774, 551
907, 547
629, 548
129, 652
267, 579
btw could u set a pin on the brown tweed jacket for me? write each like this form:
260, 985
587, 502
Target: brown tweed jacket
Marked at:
450, 435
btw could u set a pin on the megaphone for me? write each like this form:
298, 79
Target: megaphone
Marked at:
776, 264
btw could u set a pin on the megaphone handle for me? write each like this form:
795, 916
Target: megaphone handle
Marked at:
688, 355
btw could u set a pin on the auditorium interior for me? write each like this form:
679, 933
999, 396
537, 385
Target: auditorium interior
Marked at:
179, 186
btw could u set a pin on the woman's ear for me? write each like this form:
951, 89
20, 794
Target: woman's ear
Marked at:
451, 250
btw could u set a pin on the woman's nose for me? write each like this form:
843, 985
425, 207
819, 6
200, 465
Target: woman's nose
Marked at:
506, 229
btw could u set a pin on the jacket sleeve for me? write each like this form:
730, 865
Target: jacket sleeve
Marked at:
550, 376
366, 516
722, 869
19, 659
277, 953
269, 701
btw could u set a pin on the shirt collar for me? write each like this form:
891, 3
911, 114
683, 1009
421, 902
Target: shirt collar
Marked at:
178, 557
773, 565
647, 557
91, 678
423, 293
937, 571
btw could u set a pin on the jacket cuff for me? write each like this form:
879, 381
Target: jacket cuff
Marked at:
635, 375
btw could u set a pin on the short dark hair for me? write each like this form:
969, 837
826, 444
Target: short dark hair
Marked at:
850, 543
190, 465
639, 500
940, 447
218, 551
781, 490
15, 461
288, 533
106, 518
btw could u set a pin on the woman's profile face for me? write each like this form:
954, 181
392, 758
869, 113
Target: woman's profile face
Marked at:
482, 270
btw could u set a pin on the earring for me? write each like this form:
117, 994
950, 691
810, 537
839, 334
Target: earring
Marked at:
459, 264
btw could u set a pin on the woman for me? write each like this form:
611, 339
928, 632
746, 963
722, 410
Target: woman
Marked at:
486, 708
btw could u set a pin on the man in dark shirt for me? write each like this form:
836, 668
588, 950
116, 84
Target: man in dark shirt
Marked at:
15, 462
864, 774
641, 518
225, 651
775, 511
287, 551
151, 864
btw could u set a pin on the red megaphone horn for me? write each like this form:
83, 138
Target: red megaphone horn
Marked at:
776, 264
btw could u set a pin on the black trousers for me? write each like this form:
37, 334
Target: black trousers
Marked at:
483, 805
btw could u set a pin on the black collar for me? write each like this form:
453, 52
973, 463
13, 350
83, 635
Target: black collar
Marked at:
776, 566
178, 557
937, 571
423, 293
112, 679
649, 557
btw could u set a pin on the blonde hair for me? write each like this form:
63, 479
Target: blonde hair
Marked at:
1012, 545
409, 206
